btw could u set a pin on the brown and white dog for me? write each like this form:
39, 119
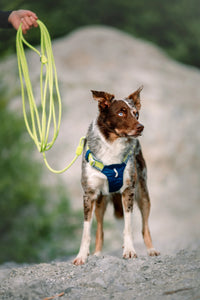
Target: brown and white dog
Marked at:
113, 169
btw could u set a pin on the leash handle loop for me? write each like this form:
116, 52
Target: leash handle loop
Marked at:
49, 113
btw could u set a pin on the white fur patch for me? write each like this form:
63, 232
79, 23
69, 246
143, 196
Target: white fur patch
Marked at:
129, 251
85, 244
132, 110
110, 153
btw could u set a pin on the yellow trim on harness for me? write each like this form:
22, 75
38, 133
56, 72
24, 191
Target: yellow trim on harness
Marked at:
98, 164
93, 161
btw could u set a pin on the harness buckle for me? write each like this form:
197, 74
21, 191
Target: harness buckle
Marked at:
92, 162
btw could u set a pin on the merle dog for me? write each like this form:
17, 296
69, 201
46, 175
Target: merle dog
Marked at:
113, 169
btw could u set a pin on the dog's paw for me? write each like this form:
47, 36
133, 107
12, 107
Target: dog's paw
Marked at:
129, 253
153, 252
98, 253
79, 260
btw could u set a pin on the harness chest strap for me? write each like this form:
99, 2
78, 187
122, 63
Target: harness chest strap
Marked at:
114, 172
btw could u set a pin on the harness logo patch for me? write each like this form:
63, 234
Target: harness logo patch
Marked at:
116, 173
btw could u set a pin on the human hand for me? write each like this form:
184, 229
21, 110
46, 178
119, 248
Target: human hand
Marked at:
26, 17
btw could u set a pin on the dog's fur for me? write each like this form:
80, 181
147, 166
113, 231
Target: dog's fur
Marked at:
110, 138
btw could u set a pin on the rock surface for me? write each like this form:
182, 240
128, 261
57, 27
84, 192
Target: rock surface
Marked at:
165, 277
106, 59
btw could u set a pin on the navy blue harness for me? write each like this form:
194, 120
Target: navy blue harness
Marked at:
114, 172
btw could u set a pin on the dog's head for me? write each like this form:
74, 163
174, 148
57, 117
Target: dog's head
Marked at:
119, 118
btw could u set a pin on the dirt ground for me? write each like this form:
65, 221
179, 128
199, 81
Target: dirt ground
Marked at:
107, 277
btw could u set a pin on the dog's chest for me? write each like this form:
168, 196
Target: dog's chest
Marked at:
109, 155
112, 153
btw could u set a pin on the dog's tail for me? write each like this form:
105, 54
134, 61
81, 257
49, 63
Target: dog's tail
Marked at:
117, 203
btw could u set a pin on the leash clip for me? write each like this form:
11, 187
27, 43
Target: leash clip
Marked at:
79, 149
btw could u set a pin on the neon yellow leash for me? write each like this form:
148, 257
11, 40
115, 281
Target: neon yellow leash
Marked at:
40, 121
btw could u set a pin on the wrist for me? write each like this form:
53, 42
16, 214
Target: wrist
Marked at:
10, 16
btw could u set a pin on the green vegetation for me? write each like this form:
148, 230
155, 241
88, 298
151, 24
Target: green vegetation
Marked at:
174, 24
36, 222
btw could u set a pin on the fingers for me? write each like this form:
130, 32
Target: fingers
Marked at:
31, 14
34, 21
26, 17
29, 20
26, 13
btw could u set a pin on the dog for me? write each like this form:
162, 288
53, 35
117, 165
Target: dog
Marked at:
113, 169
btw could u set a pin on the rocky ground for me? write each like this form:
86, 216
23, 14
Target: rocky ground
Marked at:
107, 277
105, 59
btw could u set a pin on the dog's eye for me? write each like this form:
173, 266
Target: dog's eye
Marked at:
137, 115
121, 114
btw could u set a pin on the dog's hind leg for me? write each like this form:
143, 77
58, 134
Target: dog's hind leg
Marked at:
144, 206
127, 201
143, 201
100, 209
89, 203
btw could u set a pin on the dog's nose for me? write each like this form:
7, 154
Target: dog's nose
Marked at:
140, 127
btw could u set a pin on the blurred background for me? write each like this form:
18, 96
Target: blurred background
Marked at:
116, 46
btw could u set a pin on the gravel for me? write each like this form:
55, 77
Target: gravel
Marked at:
106, 277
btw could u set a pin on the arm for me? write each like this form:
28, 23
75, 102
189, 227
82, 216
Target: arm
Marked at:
4, 19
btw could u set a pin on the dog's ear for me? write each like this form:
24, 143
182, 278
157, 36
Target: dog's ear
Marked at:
103, 98
136, 98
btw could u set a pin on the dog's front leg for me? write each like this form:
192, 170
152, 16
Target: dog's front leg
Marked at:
127, 201
89, 204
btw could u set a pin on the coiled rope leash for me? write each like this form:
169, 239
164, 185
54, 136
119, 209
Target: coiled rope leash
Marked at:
40, 123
